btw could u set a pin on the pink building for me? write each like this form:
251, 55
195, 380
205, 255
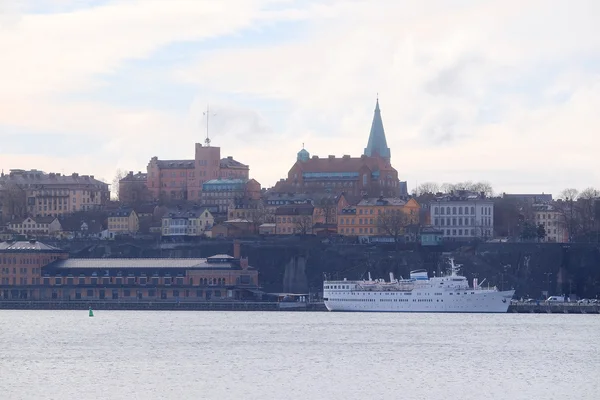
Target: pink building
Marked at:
183, 179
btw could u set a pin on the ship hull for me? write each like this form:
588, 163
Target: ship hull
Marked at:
479, 301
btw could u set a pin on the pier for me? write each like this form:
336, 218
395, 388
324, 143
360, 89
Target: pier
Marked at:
554, 308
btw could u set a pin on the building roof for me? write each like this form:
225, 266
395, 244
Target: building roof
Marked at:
27, 246
229, 162
215, 262
381, 201
226, 181
37, 220
33, 178
334, 164
175, 164
377, 144
193, 212
131, 177
295, 209
122, 212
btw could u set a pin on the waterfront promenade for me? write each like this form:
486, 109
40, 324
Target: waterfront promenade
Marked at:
515, 307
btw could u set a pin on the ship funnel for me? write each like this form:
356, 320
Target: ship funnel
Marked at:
370, 277
391, 277
474, 283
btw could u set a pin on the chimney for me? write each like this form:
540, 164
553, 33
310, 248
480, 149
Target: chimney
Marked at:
236, 250
244, 263
331, 157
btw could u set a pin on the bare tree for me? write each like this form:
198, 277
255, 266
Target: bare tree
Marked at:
326, 210
569, 194
427, 187
13, 200
393, 223
119, 174
304, 224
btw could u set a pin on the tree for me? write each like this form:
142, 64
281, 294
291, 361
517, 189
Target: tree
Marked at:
529, 231
326, 210
479, 187
427, 187
393, 223
119, 174
13, 200
569, 194
541, 232
304, 224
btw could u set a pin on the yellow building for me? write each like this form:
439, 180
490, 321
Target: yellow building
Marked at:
193, 222
36, 226
123, 221
378, 216
294, 219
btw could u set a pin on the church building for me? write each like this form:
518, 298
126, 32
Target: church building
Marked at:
371, 174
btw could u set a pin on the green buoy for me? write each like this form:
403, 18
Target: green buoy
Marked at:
91, 312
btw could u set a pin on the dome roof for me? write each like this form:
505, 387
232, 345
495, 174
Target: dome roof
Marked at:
303, 155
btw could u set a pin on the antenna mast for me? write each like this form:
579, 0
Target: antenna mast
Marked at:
207, 113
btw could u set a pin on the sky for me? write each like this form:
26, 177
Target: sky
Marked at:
504, 91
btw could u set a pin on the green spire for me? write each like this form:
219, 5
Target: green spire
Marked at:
377, 143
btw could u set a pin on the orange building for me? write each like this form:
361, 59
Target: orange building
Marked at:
378, 216
34, 271
21, 266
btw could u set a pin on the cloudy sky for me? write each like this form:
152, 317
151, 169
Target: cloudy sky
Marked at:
504, 91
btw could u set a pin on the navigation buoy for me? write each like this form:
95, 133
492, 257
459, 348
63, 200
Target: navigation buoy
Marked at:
91, 312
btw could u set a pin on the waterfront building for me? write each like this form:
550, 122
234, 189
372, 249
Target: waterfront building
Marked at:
184, 179
378, 216
182, 223
21, 266
39, 194
222, 192
463, 215
370, 174
123, 221
34, 271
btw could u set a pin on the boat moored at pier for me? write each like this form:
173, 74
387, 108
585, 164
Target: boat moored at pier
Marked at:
419, 293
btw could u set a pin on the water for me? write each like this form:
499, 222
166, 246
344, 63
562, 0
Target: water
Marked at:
296, 355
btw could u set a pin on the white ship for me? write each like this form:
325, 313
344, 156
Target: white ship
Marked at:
450, 293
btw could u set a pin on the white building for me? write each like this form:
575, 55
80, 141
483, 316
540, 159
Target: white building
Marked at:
192, 222
463, 216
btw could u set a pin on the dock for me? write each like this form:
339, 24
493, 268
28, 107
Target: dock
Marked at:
554, 308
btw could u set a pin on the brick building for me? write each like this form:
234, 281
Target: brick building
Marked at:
370, 174
183, 179
35, 271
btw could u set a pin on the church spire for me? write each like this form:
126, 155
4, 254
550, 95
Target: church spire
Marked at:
377, 143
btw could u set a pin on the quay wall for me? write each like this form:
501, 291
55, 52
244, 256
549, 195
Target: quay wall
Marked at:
299, 264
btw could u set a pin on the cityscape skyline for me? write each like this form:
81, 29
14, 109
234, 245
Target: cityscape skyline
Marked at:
513, 105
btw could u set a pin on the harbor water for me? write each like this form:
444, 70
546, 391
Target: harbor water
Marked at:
291, 355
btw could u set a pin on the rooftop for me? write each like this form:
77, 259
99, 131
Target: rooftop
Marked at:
175, 164
382, 201
295, 209
36, 177
217, 262
229, 162
377, 144
27, 246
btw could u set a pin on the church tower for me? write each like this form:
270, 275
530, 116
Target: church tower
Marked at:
377, 143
